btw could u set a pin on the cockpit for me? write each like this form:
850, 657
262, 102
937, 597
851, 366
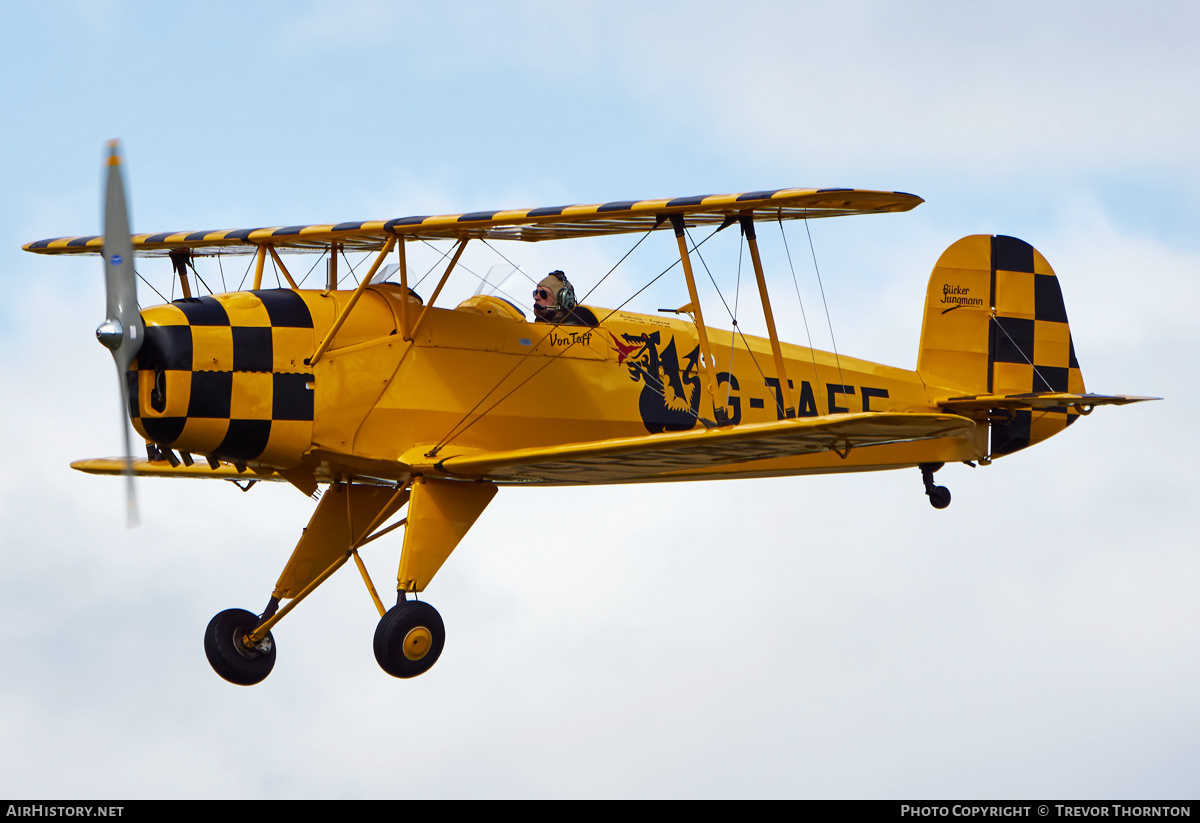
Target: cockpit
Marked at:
499, 293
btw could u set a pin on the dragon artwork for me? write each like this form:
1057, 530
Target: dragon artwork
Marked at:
670, 398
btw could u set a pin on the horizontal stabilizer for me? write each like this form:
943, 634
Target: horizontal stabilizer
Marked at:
1038, 400
643, 458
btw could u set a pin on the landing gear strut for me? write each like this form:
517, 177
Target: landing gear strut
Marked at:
939, 496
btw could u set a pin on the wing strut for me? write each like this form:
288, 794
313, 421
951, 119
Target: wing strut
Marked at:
333, 536
404, 335
462, 244
179, 262
705, 350
341, 318
747, 218
286, 274
260, 261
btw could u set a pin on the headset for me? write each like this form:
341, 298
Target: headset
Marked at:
566, 295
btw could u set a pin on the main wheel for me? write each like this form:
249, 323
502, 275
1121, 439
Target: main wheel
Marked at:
409, 639
939, 497
229, 656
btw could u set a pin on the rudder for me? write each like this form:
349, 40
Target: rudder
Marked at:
996, 324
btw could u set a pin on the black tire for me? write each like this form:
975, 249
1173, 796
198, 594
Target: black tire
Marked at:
409, 639
229, 657
939, 497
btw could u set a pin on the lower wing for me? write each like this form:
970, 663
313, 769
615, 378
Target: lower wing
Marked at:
634, 458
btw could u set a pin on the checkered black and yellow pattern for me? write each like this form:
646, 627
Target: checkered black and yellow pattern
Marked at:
225, 376
1030, 349
996, 326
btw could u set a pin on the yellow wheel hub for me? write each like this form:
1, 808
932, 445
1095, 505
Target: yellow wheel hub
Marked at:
417, 643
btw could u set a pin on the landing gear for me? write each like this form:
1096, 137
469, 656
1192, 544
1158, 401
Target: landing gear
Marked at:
939, 496
409, 639
229, 656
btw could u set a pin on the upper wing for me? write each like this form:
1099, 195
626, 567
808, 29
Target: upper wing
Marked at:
641, 458
551, 223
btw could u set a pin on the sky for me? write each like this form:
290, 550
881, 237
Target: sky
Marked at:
805, 637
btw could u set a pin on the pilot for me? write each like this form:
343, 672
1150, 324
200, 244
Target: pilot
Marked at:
554, 302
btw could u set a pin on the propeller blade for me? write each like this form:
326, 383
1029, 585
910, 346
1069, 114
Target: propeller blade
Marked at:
131, 508
122, 331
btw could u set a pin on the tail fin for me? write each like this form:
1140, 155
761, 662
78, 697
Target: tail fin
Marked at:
995, 325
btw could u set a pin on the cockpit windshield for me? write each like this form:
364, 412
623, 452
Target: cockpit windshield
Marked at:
508, 283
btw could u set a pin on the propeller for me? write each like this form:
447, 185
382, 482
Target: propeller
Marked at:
122, 332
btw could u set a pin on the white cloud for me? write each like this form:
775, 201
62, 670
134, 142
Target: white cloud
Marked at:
992, 87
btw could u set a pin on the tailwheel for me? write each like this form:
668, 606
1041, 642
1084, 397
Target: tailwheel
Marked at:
409, 639
939, 496
229, 656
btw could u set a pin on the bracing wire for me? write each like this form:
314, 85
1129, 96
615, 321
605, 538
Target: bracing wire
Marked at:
148, 283
456, 431
803, 315
1023, 354
275, 269
509, 262
483, 399
812, 249
312, 268
712, 279
352, 267
1043, 413
460, 265
444, 255
733, 318
592, 290
496, 286
245, 274
480, 277
201, 279
733, 332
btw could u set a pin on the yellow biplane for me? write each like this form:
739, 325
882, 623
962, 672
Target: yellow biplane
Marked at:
394, 403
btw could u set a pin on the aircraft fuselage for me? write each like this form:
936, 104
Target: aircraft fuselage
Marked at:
229, 376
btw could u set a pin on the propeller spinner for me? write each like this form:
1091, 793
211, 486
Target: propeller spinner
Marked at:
122, 332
